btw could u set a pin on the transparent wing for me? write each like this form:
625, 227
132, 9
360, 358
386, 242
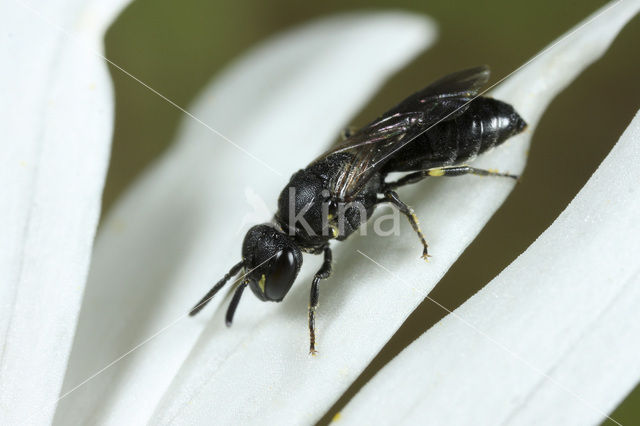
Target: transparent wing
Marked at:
372, 146
369, 145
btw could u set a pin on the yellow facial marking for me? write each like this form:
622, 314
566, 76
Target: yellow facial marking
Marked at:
436, 172
263, 279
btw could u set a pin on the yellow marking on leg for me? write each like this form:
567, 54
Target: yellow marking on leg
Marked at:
436, 172
335, 233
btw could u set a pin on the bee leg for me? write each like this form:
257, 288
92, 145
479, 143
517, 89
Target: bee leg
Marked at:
392, 197
408, 179
445, 171
464, 170
323, 272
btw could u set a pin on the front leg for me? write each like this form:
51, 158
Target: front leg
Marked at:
323, 272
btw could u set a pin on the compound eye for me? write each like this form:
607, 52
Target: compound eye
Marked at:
281, 275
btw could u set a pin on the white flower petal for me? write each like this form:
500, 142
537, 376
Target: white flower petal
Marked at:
57, 116
176, 231
551, 340
260, 372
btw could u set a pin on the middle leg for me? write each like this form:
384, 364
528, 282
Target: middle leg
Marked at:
392, 197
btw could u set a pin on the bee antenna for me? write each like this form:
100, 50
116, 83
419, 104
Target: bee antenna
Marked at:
234, 303
207, 297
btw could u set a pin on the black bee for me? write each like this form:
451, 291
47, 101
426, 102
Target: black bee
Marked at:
433, 132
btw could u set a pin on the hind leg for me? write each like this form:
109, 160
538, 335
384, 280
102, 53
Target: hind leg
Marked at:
445, 171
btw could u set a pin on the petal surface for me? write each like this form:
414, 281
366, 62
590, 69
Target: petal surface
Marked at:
55, 134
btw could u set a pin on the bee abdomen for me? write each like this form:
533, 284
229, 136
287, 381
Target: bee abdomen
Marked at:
486, 123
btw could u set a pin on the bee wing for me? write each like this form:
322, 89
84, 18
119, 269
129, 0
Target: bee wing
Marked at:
462, 84
369, 145
372, 146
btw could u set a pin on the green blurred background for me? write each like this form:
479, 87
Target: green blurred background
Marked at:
176, 47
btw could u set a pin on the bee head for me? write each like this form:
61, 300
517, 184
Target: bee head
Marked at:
271, 260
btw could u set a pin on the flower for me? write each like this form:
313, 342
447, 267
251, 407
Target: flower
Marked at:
135, 358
